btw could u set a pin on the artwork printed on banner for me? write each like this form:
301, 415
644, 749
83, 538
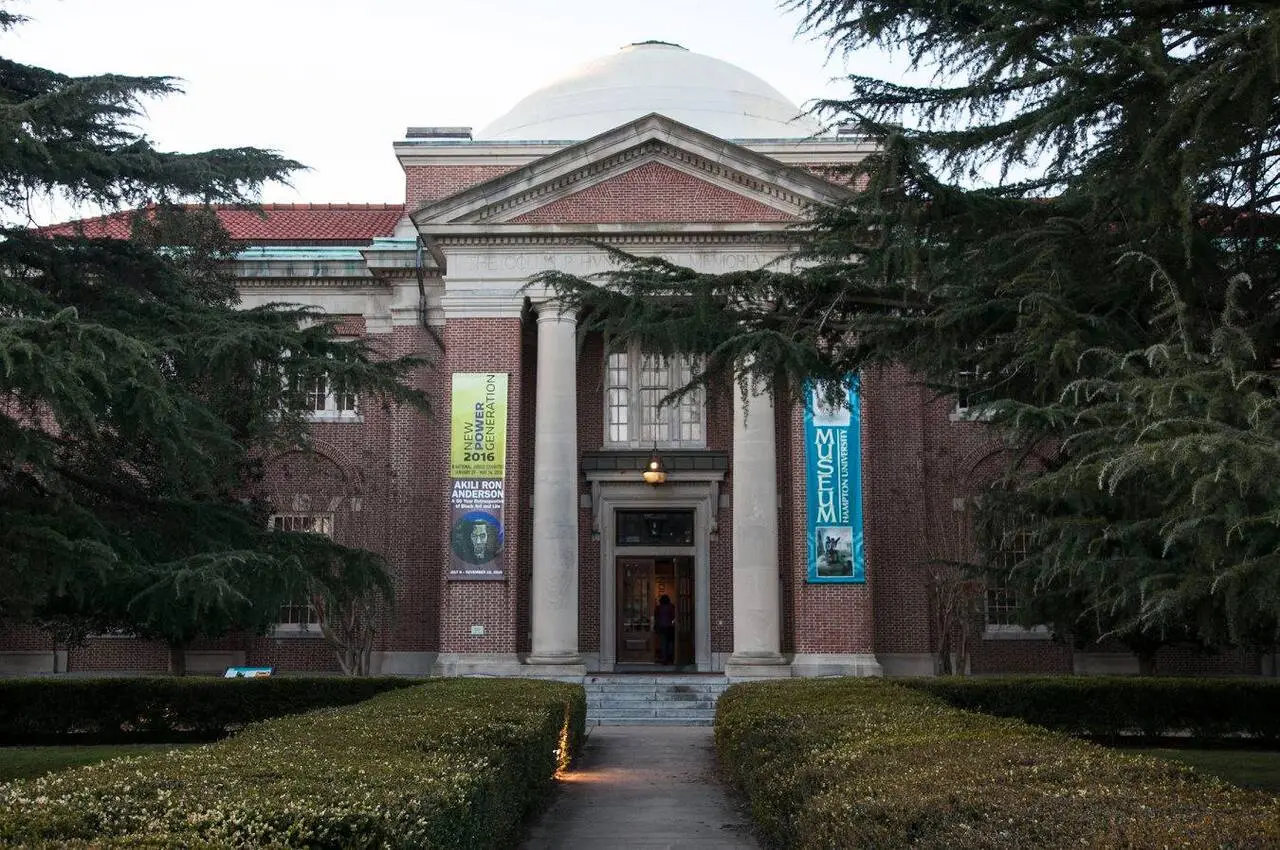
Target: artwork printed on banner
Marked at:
833, 459
476, 535
478, 467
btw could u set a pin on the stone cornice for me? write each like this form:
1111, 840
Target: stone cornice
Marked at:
566, 235
372, 283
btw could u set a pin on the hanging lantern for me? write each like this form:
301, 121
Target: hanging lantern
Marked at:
655, 473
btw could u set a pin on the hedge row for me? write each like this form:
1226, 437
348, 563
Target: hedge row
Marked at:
1112, 707
856, 763
163, 709
453, 763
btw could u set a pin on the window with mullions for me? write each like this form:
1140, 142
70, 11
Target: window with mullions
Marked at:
323, 398
1001, 598
636, 382
301, 616
327, 399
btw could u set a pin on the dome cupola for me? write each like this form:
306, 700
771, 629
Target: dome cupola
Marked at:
653, 76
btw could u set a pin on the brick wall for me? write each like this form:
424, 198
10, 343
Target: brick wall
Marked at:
426, 183
652, 192
720, 438
590, 438
893, 494
819, 618
486, 345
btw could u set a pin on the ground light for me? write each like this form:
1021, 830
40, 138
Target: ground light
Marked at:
562, 748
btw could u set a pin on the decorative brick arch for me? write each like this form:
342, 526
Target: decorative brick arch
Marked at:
316, 480
975, 466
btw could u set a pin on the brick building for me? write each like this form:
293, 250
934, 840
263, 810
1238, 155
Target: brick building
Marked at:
521, 533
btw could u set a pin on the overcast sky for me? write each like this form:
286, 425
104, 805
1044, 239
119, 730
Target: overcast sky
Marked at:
333, 84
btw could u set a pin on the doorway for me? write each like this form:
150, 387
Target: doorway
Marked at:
674, 524
642, 582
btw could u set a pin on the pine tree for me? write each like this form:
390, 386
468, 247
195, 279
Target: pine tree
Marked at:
1084, 196
136, 399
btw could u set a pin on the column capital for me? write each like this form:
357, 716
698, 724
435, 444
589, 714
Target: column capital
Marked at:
552, 311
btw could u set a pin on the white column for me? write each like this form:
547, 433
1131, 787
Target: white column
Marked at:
554, 594
757, 613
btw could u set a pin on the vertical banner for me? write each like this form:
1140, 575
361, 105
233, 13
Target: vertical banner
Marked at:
833, 460
477, 467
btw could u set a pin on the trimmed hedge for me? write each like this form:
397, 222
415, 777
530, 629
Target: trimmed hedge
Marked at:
856, 763
1113, 707
453, 763
56, 711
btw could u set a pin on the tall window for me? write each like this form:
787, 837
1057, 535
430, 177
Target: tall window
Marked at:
301, 615
1002, 599
635, 417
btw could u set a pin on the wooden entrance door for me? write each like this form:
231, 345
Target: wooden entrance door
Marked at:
641, 583
636, 639
684, 611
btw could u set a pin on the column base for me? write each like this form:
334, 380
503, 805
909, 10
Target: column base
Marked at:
555, 666
812, 664
764, 665
477, 664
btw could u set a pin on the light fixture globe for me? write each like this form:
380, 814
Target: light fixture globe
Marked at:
655, 473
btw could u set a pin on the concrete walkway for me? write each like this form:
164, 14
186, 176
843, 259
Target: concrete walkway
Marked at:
644, 787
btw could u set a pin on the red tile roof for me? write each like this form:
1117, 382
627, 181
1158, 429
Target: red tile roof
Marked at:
270, 223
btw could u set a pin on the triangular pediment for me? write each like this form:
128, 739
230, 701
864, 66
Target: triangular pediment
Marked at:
652, 170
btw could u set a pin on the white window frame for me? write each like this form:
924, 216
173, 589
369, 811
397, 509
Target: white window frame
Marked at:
334, 406
1006, 600
679, 370
321, 523
968, 412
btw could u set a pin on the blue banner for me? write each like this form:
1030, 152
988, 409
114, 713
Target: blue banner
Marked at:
833, 460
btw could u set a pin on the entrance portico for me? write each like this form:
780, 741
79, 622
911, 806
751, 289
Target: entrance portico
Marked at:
589, 445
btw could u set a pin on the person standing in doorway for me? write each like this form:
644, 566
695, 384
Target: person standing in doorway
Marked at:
664, 623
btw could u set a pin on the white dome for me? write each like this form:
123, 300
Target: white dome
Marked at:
653, 76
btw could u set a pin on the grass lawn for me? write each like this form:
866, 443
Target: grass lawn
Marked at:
1239, 767
26, 762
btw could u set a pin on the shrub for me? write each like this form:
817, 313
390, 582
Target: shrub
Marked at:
857, 763
163, 709
1111, 707
453, 763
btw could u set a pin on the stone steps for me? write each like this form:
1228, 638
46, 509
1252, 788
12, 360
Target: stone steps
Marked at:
653, 700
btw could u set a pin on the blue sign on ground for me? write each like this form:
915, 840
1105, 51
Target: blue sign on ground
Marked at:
833, 459
248, 672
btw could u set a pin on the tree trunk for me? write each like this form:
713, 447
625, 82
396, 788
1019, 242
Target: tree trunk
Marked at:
945, 666
1146, 662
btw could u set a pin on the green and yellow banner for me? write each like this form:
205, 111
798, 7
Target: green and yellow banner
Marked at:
478, 443
478, 466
